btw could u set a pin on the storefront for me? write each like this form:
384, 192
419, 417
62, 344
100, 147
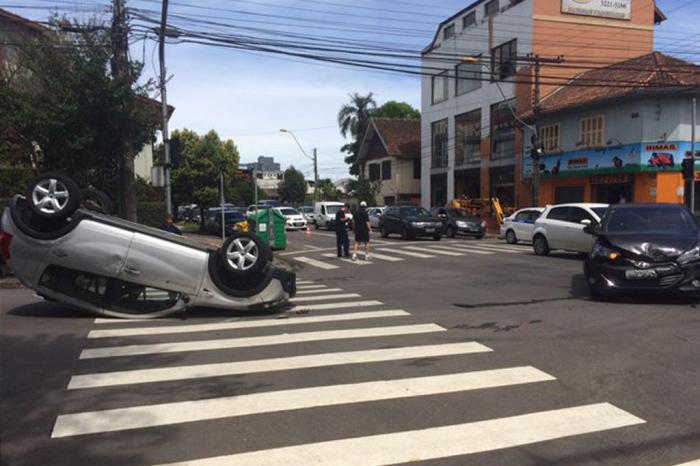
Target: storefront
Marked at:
502, 185
438, 190
628, 173
468, 183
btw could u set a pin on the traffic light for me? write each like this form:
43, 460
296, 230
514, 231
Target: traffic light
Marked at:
536, 151
688, 168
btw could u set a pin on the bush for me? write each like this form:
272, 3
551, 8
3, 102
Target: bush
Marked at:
14, 180
151, 213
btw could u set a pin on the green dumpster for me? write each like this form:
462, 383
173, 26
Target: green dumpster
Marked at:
269, 229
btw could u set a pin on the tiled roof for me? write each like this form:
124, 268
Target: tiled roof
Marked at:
656, 72
7, 16
401, 137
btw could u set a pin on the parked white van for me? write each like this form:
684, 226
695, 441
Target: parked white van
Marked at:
324, 214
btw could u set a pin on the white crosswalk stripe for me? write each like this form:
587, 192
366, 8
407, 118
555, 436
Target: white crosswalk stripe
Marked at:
497, 249
306, 299
162, 374
286, 400
463, 249
223, 326
690, 463
327, 290
247, 342
355, 262
439, 442
342, 305
384, 257
407, 253
434, 251
311, 287
315, 263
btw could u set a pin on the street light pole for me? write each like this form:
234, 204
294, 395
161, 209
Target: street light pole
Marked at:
164, 105
314, 158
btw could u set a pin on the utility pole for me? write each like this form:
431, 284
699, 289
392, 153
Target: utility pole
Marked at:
315, 175
164, 105
120, 71
692, 155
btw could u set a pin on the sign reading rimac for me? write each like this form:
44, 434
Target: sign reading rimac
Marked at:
618, 9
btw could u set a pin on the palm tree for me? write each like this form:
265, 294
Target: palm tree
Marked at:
353, 118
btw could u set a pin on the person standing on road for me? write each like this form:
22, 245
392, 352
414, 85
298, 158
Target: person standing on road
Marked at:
341, 232
362, 229
169, 225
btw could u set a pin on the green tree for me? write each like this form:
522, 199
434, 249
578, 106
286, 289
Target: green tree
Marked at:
62, 109
204, 158
365, 190
353, 118
292, 189
394, 109
328, 190
241, 191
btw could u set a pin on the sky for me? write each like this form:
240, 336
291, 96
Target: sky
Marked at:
248, 96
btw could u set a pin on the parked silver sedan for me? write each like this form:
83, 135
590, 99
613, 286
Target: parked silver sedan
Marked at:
375, 216
103, 264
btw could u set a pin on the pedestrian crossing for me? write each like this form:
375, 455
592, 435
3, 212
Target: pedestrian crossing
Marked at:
398, 252
365, 335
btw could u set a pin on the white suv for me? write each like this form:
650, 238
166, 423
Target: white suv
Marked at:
561, 227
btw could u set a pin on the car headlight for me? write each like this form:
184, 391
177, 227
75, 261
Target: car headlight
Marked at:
483, 224
600, 251
462, 224
691, 255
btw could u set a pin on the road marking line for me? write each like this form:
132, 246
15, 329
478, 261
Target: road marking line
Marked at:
383, 257
435, 251
334, 256
468, 251
492, 248
311, 287
327, 290
304, 299
162, 374
248, 342
315, 263
168, 330
343, 305
690, 463
304, 282
438, 442
408, 253
137, 417
116, 320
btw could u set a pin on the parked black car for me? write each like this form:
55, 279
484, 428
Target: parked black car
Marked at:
410, 221
212, 224
644, 248
457, 222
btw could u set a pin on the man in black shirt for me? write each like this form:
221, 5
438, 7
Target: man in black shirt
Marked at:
362, 228
341, 233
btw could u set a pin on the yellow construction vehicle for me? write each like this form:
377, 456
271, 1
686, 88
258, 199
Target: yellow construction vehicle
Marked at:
483, 208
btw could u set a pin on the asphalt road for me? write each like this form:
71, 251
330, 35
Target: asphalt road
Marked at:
461, 352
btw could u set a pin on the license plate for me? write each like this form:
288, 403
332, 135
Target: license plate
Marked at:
640, 274
429, 230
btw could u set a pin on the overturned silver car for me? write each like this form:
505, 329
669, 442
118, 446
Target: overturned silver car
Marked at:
93, 261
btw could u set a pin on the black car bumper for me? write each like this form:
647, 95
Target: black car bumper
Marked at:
471, 231
662, 277
425, 231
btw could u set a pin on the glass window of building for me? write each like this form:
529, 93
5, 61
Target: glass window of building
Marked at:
439, 143
386, 170
449, 31
468, 77
592, 132
374, 169
503, 60
502, 130
469, 20
549, 138
440, 87
491, 8
468, 137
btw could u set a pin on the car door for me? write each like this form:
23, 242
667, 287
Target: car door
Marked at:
519, 225
529, 224
556, 227
390, 220
154, 261
576, 239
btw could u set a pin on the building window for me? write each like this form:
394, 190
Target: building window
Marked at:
386, 170
502, 130
549, 138
592, 131
503, 60
440, 87
374, 172
468, 77
491, 8
449, 31
439, 141
416, 168
469, 20
468, 137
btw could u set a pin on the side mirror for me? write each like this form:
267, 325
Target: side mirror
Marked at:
589, 227
585, 221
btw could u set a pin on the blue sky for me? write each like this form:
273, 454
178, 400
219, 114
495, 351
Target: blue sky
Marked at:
249, 96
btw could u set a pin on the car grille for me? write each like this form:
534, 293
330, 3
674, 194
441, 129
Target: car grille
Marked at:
669, 280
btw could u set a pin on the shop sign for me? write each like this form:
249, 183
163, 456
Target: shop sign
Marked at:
610, 179
617, 9
628, 158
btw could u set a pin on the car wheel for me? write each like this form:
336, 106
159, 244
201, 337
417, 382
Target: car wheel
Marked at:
540, 245
451, 232
511, 238
244, 254
480, 237
94, 199
437, 237
53, 196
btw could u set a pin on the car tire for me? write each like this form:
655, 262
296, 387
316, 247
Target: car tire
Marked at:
243, 255
540, 245
44, 200
451, 232
511, 238
383, 233
480, 237
437, 237
96, 200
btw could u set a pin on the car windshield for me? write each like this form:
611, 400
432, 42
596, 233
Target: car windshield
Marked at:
665, 219
234, 216
414, 212
307, 210
289, 211
599, 211
332, 209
